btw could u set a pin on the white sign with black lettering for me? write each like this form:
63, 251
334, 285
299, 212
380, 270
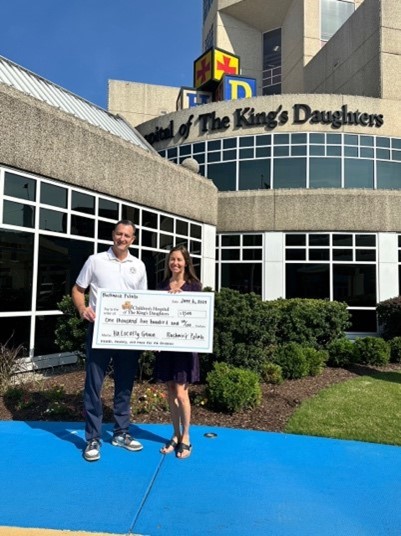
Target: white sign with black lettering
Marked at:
154, 320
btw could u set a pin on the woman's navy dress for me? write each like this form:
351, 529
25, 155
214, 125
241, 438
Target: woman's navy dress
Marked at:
179, 367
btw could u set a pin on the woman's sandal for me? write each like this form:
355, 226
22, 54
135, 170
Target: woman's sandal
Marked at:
169, 445
183, 447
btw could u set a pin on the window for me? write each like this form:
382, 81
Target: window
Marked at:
84, 221
82, 226
15, 331
181, 227
166, 224
196, 231
44, 335
325, 173
108, 209
149, 219
252, 240
130, 213
50, 194
289, 173
241, 257
223, 175
19, 186
358, 173
82, 202
105, 230
231, 240
335, 266
242, 277
304, 280
166, 241
18, 214
389, 175
301, 160
333, 15
254, 175
59, 263
271, 83
16, 270
149, 239
355, 284
51, 220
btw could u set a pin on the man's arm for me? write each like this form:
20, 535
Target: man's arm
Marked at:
78, 297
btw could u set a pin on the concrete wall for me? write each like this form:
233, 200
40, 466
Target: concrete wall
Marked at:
351, 62
239, 27
244, 41
310, 210
40, 139
391, 48
243, 35
140, 102
293, 47
261, 14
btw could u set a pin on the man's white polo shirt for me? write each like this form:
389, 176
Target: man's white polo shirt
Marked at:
104, 270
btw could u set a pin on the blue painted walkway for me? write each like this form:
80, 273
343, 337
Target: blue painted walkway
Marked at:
239, 483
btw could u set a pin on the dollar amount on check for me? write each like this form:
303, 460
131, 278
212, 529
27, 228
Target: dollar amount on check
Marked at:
154, 320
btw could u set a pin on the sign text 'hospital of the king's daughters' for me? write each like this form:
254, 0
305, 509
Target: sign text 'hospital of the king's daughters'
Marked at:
248, 117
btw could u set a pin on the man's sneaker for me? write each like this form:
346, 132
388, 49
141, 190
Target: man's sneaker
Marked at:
92, 450
126, 441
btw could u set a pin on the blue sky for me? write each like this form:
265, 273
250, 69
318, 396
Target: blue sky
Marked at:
81, 44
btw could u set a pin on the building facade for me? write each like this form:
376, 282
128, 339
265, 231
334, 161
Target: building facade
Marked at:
293, 192
308, 170
68, 171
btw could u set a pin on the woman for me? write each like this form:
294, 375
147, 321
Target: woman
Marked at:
179, 369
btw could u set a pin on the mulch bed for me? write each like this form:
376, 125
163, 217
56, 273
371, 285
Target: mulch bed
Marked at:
57, 396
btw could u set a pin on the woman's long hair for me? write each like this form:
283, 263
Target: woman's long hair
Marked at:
189, 273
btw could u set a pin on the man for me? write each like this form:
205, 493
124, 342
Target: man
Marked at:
115, 269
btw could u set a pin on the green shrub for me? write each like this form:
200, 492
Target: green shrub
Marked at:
309, 322
70, 332
250, 357
389, 317
232, 389
341, 353
244, 330
247, 329
18, 398
395, 350
372, 351
316, 360
292, 360
271, 373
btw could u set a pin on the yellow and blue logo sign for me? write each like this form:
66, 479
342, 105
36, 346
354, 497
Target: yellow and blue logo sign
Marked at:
210, 68
236, 87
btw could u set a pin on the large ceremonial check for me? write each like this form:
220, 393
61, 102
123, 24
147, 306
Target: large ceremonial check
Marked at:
154, 320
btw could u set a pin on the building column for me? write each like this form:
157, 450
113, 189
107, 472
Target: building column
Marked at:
387, 266
273, 266
208, 274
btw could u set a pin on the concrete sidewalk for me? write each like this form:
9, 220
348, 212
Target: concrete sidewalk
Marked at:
239, 482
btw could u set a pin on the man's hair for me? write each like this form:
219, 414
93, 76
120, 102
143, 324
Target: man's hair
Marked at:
125, 222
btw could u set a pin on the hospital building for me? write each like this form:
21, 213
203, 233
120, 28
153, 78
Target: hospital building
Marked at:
279, 166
